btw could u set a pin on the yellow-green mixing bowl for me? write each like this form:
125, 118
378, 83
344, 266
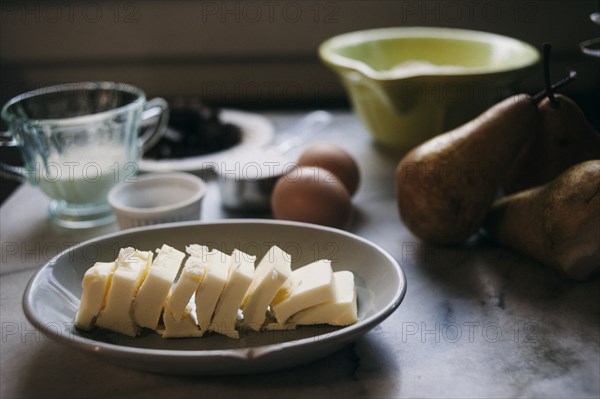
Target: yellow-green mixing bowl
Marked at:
411, 83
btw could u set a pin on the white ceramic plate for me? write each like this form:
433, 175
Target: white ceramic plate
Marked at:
52, 297
257, 131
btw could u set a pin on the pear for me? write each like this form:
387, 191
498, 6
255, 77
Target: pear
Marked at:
445, 187
558, 224
564, 138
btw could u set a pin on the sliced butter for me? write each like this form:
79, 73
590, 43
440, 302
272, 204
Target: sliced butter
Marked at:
150, 299
184, 327
241, 274
190, 278
308, 286
272, 272
342, 311
131, 269
209, 291
95, 284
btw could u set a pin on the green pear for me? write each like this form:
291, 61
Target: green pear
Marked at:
564, 138
557, 224
445, 187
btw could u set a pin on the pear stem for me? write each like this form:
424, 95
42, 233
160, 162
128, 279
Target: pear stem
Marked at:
549, 92
561, 83
557, 85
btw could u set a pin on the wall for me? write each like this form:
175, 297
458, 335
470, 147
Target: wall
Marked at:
255, 53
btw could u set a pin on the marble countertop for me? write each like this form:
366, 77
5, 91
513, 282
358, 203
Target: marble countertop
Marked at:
477, 321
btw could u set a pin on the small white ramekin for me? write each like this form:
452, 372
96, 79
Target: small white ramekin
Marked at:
157, 198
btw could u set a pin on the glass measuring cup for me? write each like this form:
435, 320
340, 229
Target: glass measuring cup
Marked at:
78, 140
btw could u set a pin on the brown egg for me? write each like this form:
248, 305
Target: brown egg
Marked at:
312, 195
335, 159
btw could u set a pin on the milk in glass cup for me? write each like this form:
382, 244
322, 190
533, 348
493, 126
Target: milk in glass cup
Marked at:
78, 140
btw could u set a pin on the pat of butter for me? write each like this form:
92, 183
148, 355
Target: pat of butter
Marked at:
151, 297
187, 284
342, 311
308, 286
185, 327
271, 273
241, 274
95, 284
131, 269
211, 287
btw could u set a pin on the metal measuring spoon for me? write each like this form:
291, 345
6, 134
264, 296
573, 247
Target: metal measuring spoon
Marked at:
246, 183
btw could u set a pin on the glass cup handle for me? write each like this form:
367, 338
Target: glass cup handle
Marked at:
154, 119
10, 171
